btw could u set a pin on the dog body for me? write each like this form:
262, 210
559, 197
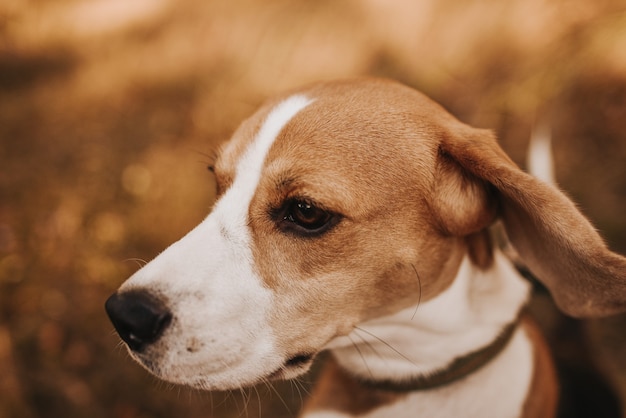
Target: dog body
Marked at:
353, 216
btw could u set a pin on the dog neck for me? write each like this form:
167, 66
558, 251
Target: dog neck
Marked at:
456, 370
470, 322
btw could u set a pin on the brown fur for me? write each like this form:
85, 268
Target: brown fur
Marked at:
542, 398
480, 249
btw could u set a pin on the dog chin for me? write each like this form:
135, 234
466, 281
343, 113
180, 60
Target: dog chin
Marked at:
289, 369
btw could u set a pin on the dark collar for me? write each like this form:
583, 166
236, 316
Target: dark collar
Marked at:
458, 369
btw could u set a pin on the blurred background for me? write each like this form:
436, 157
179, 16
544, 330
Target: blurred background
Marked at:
110, 110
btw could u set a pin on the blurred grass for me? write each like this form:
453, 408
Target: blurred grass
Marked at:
109, 111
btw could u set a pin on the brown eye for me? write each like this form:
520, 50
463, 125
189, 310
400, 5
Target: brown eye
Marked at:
307, 215
304, 218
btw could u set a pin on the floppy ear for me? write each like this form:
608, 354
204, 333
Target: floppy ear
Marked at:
556, 241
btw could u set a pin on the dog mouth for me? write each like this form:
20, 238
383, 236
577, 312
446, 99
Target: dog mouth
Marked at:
299, 360
293, 367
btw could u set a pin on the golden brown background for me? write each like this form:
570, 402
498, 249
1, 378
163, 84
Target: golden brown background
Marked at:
109, 110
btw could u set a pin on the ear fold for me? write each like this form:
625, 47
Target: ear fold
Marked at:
462, 203
557, 242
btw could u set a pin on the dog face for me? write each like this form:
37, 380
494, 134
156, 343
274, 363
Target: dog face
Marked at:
337, 204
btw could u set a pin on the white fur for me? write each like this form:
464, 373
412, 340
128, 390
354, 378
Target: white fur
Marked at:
220, 337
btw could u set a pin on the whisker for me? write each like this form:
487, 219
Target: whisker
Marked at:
266, 386
232, 396
249, 401
370, 346
211, 156
279, 397
211, 153
258, 399
419, 298
246, 400
358, 350
139, 261
303, 386
293, 384
386, 343
225, 398
241, 397
300, 388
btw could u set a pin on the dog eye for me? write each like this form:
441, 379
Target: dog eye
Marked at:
304, 218
307, 215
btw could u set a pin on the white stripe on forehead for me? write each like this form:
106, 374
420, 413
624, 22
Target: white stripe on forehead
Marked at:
233, 207
249, 167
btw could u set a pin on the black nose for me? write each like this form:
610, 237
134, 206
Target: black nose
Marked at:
139, 317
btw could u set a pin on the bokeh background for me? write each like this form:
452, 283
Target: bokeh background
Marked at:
110, 109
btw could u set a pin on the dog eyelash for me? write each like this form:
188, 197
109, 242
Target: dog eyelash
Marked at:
213, 155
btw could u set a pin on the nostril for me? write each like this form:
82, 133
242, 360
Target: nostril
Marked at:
139, 317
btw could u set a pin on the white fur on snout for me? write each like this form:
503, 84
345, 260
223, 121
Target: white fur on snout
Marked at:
219, 337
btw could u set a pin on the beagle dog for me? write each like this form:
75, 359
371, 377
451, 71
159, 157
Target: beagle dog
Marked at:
354, 216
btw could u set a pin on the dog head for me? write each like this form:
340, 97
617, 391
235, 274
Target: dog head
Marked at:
336, 204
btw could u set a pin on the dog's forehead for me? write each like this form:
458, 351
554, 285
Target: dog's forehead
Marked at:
343, 115
355, 137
